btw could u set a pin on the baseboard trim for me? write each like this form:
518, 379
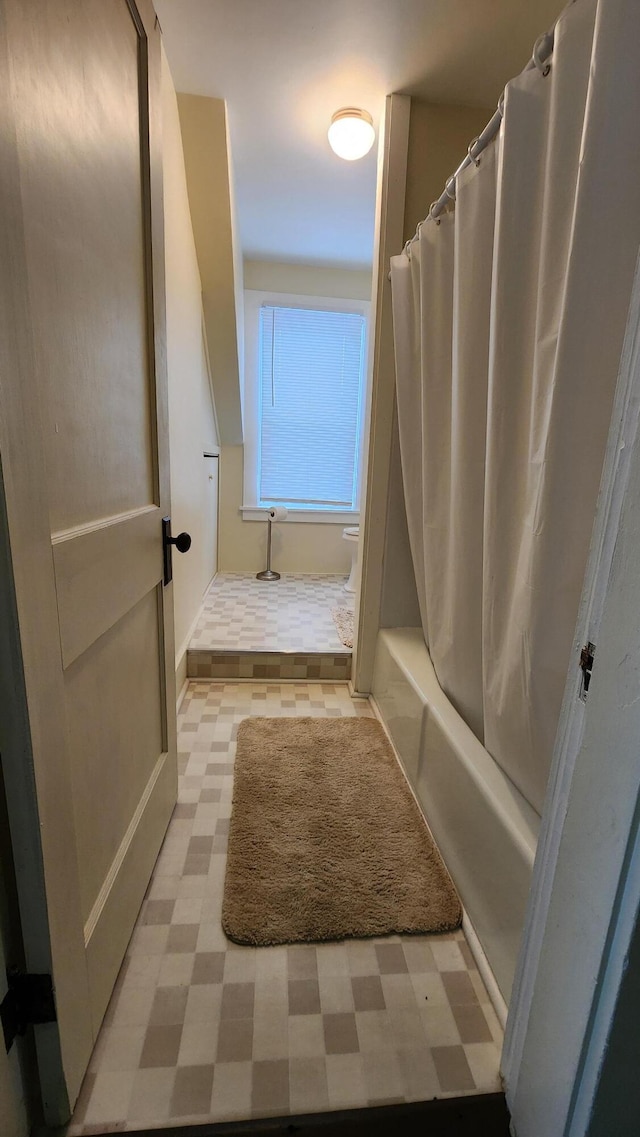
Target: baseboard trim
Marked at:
181, 654
280, 682
181, 692
181, 675
356, 694
484, 967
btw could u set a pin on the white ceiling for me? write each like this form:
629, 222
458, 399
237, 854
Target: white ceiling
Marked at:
284, 66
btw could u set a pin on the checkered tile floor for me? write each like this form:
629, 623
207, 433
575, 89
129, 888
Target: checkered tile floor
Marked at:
200, 1029
292, 614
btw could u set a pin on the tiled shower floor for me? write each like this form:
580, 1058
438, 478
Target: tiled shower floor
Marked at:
200, 1029
292, 614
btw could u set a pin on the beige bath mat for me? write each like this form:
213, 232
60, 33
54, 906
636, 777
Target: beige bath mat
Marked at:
325, 840
343, 620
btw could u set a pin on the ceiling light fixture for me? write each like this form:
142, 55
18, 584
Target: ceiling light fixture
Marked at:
351, 134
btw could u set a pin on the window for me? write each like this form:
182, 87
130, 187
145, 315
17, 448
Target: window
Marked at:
304, 393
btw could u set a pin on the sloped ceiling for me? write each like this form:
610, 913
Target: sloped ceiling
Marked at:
205, 144
284, 66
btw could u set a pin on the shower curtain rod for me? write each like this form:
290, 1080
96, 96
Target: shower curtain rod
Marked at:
542, 52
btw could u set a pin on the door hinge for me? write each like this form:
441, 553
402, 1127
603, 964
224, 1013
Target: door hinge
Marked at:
29, 1000
586, 667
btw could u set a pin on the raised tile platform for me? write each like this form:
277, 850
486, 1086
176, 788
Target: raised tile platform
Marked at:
268, 665
252, 629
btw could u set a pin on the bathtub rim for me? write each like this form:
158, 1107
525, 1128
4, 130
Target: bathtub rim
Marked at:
485, 772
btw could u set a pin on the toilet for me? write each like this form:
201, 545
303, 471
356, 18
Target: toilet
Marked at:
351, 534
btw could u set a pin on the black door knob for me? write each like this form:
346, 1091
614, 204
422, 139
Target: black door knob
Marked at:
182, 542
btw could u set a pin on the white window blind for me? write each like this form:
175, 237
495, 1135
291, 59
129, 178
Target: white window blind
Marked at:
311, 371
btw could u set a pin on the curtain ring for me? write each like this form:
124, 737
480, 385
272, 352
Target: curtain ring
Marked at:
476, 161
416, 237
450, 187
432, 215
542, 42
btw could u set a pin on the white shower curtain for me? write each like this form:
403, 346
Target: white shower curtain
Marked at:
509, 317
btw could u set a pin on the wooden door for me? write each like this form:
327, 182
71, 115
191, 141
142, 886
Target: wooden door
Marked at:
83, 443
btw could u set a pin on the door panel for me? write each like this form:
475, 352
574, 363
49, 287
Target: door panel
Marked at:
83, 435
83, 190
108, 930
101, 573
114, 722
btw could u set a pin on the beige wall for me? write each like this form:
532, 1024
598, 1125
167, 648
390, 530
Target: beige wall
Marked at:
422, 144
399, 607
389, 222
307, 280
297, 546
191, 418
209, 173
236, 252
438, 141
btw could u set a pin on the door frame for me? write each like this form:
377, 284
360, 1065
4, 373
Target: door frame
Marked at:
578, 1054
31, 688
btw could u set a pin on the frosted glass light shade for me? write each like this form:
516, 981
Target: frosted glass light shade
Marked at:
351, 134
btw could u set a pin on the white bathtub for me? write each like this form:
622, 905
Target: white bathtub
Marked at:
484, 828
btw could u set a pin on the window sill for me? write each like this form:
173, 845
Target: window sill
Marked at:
309, 516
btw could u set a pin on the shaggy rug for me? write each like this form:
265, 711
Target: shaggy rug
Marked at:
326, 840
343, 620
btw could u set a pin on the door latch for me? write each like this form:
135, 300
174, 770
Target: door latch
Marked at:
586, 666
